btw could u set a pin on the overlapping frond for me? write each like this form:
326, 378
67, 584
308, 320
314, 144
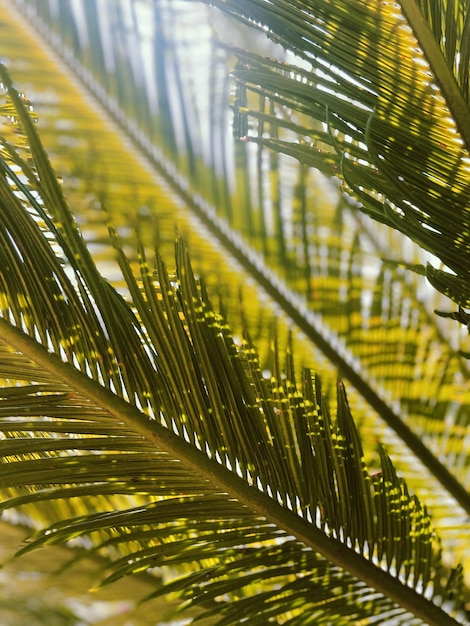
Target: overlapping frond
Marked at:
278, 210
449, 24
388, 120
247, 480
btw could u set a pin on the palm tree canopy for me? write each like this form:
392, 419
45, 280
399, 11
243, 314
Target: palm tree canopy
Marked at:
180, 421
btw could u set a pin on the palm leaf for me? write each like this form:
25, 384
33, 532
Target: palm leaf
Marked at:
334, 85
373, 333
406, 157
282, 259
231, 471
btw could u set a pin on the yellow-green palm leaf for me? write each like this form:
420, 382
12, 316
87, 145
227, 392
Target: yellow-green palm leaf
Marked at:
310, 250
152, 405
293, 245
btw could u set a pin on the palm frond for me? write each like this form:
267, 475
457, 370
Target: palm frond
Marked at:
397, 125
281, 258
437, 420
231, 471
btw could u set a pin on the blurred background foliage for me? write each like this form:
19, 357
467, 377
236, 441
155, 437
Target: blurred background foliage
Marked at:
41, 589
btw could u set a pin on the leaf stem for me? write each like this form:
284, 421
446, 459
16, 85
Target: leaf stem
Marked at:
445, 78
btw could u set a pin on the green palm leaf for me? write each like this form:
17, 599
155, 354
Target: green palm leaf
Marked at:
385, 332
398, 125
249, 478
299, 273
